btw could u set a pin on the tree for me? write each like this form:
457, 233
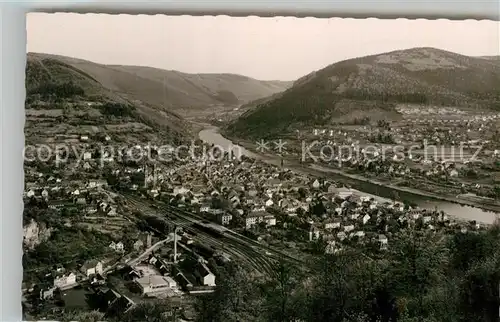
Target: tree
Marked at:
280, 304
82, 316
419, 259
235, 299
496, 191
158, 311
479, 296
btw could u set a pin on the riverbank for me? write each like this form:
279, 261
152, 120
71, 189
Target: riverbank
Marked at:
317, 170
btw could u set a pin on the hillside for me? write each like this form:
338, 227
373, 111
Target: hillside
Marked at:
174, 90
65, 100
491, 57
373, 85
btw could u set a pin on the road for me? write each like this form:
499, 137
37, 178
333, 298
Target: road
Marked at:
148, 251
242, 248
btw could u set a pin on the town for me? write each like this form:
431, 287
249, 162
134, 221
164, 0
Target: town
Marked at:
449, 151
155, 229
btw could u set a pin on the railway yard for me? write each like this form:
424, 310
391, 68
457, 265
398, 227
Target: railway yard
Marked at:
250, 253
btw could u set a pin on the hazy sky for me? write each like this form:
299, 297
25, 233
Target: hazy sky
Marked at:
264, 48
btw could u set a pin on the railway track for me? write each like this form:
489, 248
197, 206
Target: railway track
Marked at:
248, 254
236, 236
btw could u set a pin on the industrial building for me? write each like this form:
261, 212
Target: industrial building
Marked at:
155, 284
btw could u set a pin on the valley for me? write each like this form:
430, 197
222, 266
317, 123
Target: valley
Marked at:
166, 191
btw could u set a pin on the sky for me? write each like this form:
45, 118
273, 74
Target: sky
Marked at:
281, 48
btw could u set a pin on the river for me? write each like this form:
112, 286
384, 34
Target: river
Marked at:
212, 136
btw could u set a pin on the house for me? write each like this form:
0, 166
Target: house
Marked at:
65, 281
92, 267
330, 247
313, 233
348, 228
269, 202
138, 245
183, 281
426, 219
332, 224
30, 193
341, 236
204, 275
224, 218
119, 247
111, 211
359, 233
113, 302
382, 239
344, 193
81, 201
270, 220
251, 220
47, 293
256, 217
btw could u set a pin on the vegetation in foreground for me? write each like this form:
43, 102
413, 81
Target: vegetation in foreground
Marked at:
424, 276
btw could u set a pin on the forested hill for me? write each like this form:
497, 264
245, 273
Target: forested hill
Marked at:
374, 85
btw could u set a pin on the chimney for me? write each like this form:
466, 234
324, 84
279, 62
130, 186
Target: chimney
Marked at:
145, 176
154, 176
175, 245
148, 240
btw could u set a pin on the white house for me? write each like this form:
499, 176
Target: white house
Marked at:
138, 245
224, 218
341, 236
344, 193
348, 228
92, 268
119, 247
65, 281
269, 203
359, 233
204, 275
30, 193
270, 220
382, 239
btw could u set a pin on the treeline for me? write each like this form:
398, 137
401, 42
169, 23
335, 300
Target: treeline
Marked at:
423, 276
118, 109
312, 103
49, 90
411, 98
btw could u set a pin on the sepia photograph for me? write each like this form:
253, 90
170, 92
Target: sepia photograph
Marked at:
250, 169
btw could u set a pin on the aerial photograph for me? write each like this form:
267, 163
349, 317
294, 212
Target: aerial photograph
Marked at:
248, 169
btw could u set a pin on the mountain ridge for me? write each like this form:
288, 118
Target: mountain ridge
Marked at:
374, 84
173, 89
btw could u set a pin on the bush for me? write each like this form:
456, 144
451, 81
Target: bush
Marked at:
118, 109
58, 90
